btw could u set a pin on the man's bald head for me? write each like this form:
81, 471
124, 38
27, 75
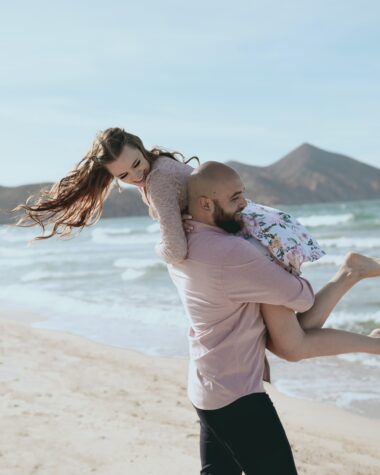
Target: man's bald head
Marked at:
215, 194
208, 180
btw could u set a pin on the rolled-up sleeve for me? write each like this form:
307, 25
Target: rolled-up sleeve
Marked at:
249, 276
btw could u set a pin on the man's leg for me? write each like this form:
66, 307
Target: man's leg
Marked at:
250, 430
215, 458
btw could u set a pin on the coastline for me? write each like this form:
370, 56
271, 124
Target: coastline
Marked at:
71, 405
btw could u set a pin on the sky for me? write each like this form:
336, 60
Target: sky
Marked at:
244, 80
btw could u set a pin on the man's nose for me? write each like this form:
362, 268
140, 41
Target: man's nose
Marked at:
243, 203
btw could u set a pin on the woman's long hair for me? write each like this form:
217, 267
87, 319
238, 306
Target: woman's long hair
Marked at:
77, 200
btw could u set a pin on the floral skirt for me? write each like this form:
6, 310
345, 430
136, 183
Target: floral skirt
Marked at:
287, 241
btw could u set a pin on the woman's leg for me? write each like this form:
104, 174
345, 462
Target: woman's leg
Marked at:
355, 267
298, 336
288, 340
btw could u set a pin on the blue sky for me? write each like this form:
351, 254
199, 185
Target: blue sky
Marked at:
242, 80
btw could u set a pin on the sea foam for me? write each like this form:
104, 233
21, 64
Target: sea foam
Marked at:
325, 220
351, 242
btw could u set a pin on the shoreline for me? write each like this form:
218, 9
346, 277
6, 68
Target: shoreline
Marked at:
93, 408
295, 380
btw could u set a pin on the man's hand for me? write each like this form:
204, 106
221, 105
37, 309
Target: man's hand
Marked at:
187, 226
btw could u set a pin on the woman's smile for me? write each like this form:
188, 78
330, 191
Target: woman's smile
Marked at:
142, 180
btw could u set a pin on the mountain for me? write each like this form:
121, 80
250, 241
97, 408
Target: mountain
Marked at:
310, 175
305, 175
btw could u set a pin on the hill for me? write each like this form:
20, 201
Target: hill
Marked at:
310, 175
307, 174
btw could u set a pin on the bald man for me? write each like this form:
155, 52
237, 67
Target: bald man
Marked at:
221, 284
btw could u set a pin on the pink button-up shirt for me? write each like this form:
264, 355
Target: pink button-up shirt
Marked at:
221, 284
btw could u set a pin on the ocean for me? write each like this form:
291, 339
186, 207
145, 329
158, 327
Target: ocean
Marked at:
107, 285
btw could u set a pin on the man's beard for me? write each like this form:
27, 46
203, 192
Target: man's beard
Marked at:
226, 221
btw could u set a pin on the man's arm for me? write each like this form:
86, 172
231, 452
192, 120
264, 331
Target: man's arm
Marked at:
249, 276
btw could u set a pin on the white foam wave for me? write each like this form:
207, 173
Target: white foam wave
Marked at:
13, 235
153, 228
351, 243
76, 309
10, 258
126, 240
328, 259
136, 263
137, 267
112, 231
368, 360
109, 235
342, 318
325, 219
132, 274
50, 275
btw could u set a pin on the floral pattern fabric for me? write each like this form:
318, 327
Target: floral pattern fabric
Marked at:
286, 239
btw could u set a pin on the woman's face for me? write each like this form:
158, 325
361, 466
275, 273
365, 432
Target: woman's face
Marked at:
130, 167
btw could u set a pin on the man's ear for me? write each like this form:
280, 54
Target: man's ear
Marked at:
205, 203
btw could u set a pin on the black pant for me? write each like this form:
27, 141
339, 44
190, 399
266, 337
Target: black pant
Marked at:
246, 435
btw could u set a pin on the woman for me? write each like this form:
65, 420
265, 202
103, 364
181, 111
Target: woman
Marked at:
77, 200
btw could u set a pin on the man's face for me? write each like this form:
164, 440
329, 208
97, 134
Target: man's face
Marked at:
228, 205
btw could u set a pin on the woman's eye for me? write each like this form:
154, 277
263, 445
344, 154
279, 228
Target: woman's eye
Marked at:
137, 164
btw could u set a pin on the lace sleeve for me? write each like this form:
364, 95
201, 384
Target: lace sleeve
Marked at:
164, 192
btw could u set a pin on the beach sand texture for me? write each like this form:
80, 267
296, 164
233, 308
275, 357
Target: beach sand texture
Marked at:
74, 407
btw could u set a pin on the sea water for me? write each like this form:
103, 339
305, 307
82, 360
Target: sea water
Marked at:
107, 284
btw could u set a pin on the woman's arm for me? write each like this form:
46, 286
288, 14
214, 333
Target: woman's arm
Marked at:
164, 194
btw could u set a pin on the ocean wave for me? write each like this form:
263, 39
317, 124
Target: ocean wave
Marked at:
138, 263
126, 239
153, 228
139, 267
325, 220
351, 243
34, 257
112, 230
327, 260
11, 263
102, 235
132, 274
39, 275
345, 319
80, 306
368, 360
18, 234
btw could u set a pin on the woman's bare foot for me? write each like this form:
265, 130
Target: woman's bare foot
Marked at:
375, 333
360, 266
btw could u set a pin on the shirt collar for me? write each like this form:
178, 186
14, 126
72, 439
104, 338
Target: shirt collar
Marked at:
199, 227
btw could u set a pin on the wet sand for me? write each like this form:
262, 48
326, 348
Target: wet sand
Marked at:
74, 407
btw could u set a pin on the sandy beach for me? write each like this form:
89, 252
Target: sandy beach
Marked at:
75, 407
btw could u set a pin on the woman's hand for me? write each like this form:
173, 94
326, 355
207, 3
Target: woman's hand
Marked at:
187, 226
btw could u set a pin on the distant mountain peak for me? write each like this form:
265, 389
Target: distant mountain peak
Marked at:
305, 148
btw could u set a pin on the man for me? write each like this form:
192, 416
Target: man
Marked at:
221, 284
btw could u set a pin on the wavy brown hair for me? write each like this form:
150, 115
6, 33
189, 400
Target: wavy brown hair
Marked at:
77, 200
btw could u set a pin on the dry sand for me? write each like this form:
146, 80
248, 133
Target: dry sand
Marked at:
74, 407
